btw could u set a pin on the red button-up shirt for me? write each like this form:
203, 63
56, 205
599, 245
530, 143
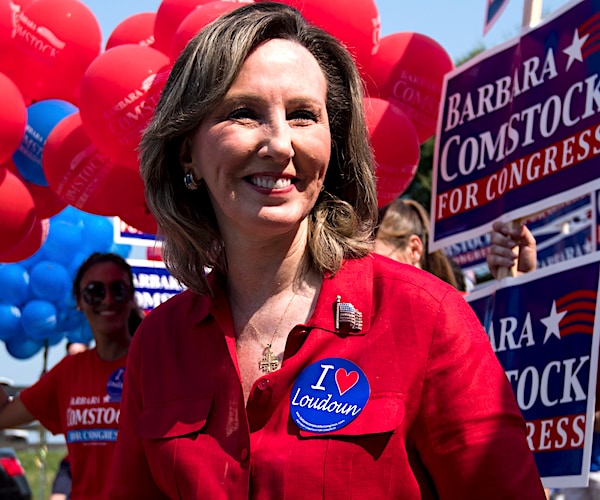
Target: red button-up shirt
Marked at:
440, 422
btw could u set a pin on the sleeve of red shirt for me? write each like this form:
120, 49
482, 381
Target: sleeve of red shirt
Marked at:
43, 398
471, 436
131, 476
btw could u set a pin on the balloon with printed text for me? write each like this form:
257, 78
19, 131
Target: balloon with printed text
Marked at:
42, 117
58, 39
9, 12
395, 146
83, 176
119, 92
408, 70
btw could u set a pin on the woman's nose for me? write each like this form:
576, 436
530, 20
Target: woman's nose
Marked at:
277, 142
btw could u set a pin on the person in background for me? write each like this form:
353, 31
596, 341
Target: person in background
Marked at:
61, 486
80, 396
513, 247
302, 365
403, 235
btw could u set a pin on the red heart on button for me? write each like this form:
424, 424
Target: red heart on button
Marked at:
344, 380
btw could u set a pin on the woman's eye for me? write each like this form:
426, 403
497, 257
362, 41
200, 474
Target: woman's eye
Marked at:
303, 115
242, 114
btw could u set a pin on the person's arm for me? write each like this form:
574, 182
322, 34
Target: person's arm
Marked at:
470, 433
511, 243
13, 412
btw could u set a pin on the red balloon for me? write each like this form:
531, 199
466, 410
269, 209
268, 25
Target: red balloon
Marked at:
28, 245
84, 177
395, 147
141, 219
169, 15
55, 42
9, 10
17, 210
13, 117
409, 70
198, 19
356, 24
138, 29
47, 203
119, 92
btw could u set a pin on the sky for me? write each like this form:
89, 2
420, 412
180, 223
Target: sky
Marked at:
457, 25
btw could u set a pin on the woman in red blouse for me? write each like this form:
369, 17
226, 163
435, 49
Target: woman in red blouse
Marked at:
297, 364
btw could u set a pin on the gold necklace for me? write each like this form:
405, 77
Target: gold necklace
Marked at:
269, 361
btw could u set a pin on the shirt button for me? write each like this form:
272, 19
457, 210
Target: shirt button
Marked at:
263, 384
244, 454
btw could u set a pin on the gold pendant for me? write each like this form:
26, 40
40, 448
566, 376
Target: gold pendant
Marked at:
269, 362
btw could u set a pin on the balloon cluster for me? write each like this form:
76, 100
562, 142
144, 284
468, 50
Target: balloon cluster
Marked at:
72, 114
37, 307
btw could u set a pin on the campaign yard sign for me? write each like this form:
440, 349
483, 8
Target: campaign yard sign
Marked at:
153, 283
563, 232
548, 347
519, 127
125, 234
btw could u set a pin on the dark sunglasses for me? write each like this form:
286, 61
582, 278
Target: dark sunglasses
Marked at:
95, 291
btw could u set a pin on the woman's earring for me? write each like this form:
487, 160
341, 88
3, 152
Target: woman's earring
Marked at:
190, 182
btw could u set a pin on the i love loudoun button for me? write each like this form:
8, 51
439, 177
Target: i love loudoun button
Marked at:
328, 395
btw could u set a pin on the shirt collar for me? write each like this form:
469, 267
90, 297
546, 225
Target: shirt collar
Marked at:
353, 283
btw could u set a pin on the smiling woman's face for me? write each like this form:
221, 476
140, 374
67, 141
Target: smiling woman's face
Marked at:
263, 152
109, 312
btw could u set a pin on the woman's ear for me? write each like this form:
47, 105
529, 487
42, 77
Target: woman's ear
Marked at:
185, 154
415, 250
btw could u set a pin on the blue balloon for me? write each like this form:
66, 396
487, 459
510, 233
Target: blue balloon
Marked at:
70, 214
55, 338
23, 347
69, 318
49, 281
42, 117
10, 321
97, 234
29, 262
76, 261
82, 335
14, 283
39, 319
63, 241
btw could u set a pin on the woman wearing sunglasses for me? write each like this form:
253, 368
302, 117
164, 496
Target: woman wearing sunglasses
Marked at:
80, 397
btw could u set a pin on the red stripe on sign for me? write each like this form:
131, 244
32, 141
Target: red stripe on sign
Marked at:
530, 169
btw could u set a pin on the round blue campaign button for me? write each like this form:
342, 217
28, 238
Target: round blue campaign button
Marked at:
114, 386
328, 395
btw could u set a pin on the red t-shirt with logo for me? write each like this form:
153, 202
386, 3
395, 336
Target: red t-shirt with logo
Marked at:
81, 398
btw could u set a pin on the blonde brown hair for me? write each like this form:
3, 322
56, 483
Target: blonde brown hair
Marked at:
342, 221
